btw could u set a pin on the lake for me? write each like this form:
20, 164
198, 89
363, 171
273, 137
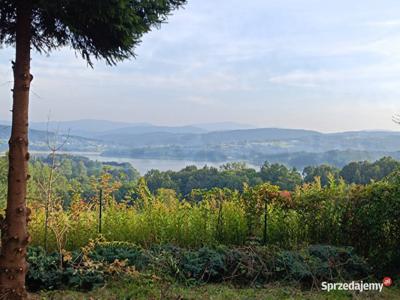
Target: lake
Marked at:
142, 165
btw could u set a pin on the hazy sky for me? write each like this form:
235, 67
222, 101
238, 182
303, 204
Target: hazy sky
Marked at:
316, 64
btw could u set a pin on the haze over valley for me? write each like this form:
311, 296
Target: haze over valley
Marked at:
151, 146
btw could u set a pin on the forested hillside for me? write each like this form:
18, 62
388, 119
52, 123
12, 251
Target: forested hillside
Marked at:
80, 173
40, 139
294, 148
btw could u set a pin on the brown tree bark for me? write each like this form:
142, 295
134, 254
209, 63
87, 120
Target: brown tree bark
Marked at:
14, 235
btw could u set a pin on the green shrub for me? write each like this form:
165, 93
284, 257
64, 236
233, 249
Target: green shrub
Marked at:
321, 263
204, 264
110, 251
82, 278
244, 266
338, 262
44, 270
258, 264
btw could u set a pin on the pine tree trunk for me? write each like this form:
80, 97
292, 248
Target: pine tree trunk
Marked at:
14, 235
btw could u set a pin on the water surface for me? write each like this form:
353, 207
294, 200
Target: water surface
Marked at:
142, 165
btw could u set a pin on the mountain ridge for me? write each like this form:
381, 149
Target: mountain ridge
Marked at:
291, 146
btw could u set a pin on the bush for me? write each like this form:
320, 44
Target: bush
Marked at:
45, 272
243, 266
249, 265
321, 263
339, 262
82, 278
205, 264
110, 251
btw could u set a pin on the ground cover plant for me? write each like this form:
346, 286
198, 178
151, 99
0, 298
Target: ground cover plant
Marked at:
241, 266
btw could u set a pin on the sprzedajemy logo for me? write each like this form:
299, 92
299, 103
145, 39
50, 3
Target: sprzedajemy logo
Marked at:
356, 286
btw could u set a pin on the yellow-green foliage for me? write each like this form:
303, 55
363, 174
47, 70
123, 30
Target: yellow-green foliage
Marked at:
220, 217
365, 217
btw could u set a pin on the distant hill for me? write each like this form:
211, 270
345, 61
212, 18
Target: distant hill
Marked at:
94, 128
38, 140
140, 130
294, 147
75, 127
336, 158
35, 135
84, 128
258, 135
223, 126
158, 138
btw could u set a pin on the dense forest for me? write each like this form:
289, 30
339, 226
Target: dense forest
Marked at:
235, 175
76, 173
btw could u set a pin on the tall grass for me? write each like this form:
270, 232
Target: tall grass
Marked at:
366, 217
